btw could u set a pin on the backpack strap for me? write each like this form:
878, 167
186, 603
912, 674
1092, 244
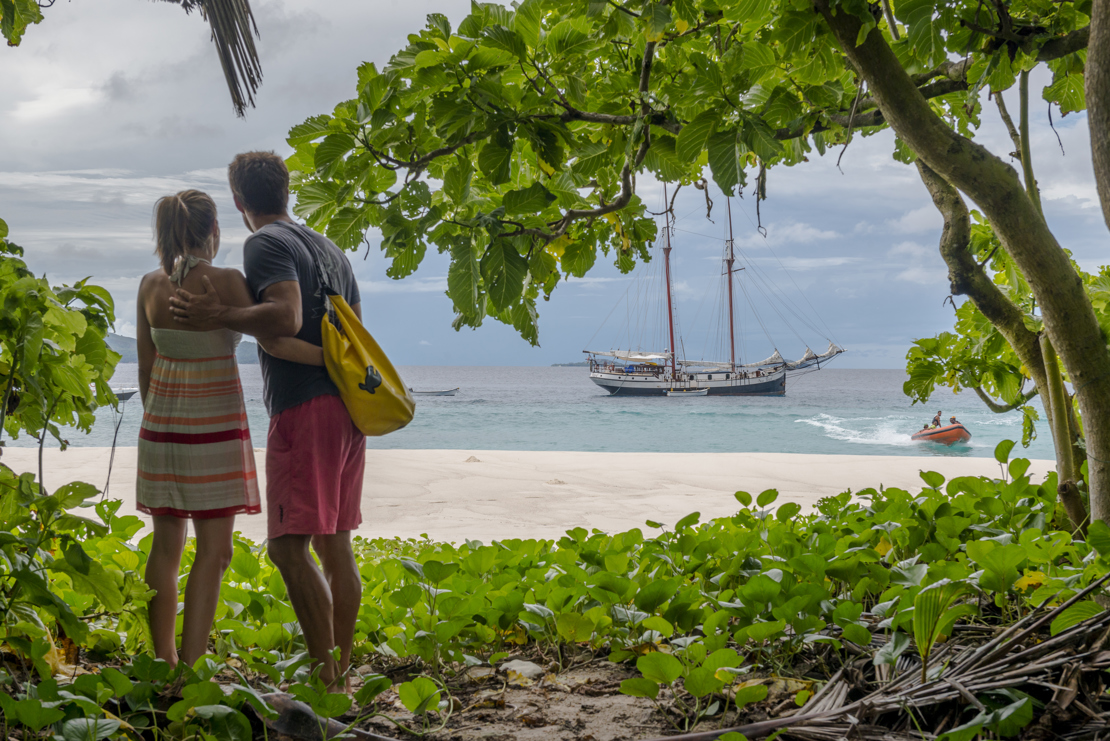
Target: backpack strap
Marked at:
313, 252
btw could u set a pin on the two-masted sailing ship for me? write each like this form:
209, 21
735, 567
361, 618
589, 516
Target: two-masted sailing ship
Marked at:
664, 372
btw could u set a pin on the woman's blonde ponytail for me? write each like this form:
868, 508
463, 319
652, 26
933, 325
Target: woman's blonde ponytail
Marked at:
182, 223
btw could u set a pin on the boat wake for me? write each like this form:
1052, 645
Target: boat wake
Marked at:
863, 430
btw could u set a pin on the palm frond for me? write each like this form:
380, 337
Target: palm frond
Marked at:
232, 24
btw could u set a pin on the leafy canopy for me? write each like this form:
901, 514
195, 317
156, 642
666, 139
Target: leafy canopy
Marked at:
514, 141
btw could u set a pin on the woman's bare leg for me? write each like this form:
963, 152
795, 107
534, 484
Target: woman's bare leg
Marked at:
162, 567
202, 591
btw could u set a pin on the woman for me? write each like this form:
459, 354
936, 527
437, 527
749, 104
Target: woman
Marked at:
195, 455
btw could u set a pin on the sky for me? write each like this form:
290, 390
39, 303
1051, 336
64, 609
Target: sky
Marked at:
110, 104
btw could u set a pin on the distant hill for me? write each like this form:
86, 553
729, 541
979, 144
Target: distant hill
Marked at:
580, 364
128, 348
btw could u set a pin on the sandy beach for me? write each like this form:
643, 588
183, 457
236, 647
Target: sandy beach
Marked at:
456, 495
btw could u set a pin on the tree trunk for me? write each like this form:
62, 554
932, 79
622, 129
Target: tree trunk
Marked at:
994, 186
968, 278
1097, 81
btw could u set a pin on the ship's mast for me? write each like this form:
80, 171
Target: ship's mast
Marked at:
667, 271
728, 262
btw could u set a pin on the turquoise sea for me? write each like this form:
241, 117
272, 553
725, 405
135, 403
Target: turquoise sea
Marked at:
833, 411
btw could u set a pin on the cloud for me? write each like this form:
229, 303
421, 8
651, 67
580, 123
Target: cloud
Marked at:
424, 342
922, 275
412, 284
925, 266
924, 219
794, 232
808, 263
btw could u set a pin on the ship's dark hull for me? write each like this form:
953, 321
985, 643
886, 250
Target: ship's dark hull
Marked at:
618, 385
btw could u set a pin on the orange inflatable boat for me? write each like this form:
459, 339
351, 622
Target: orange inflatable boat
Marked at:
947, 435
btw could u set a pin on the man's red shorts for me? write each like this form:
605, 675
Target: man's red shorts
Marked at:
315, 458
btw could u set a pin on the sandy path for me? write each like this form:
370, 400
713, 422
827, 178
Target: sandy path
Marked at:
505, 494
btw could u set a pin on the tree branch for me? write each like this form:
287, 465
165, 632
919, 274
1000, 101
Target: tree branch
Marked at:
997, 408
1015, 137
968, 278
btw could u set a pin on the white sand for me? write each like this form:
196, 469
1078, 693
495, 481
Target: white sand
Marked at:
521, 494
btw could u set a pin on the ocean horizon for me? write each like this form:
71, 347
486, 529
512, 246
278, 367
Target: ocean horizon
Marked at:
838, 411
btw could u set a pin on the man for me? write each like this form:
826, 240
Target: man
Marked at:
936, 419
314, 455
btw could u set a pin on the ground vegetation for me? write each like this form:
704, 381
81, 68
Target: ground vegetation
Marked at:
951, 611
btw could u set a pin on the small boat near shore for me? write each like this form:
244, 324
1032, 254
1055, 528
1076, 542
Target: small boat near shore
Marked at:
124, 394
946, 435
687, 392
447, 392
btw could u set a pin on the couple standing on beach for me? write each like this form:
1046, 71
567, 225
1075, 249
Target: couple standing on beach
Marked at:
196, 460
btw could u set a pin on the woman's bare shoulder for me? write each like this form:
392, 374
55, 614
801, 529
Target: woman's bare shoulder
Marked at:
154, 280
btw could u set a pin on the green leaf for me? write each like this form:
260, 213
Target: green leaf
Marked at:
659, 667
503, 269
640, 687
653, 594
456, 181
724, 160
922, 30
1098, 537
528, 200
3, 229
788, 511
372, 686
702, 682
569, 37
526, 21
229, 723
930, 607
748, 695
858, 634
463, 279
655, 17
1067, 92
1002, 451
574, 628
245, 564
744, 498
767, 498
418, 695
89, 729
436, 571
1074, 615
695, 135
311, 130
932, 479
407, 596
494, 161
335, 146
347, 227
894, 648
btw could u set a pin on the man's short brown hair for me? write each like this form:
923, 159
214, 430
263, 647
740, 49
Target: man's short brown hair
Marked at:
260, 181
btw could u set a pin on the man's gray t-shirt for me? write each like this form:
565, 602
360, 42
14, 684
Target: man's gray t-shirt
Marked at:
279, 252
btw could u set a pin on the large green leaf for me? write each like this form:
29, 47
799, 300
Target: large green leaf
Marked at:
695, 135
659, 667
503, 269
724, 160
528, 200
931, 607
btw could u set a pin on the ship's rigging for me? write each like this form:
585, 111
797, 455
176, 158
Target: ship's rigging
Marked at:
650, 357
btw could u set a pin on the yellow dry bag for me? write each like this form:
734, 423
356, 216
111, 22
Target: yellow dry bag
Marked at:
377, 399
